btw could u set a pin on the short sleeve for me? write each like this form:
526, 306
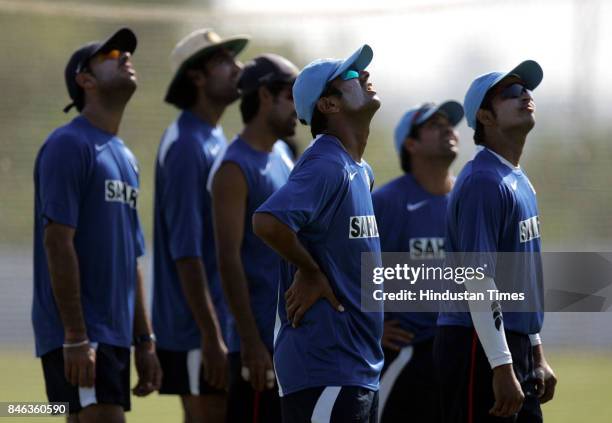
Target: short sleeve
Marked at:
63, 171
308, 196
183, 199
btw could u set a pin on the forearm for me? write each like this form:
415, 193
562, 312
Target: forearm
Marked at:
236, 289
142, 326
194, 283
488, 323
283, 240
66, 285
538, 354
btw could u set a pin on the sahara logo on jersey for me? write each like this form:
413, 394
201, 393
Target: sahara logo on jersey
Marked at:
119, 191
427, 248
529, 229
363, 227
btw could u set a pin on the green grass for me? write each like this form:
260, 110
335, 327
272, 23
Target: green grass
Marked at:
584, 392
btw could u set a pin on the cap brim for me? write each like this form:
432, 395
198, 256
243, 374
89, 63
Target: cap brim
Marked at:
453, 111
357, 61
235, 44
529, 71
124, 40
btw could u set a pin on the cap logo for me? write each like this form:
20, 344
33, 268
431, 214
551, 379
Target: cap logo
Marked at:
212, 37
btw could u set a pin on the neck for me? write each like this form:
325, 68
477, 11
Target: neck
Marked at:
207, 110
352, 133
259, 135
509, 145
107, 119
433, 175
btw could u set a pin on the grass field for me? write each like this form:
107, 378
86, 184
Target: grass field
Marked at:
584, 393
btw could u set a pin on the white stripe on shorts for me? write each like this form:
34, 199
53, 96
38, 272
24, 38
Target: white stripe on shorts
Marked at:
87, 396
194, 362
391, 375
325, 404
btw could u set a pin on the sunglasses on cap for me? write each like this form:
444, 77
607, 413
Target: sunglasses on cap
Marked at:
349, 74
113, 54
515, 90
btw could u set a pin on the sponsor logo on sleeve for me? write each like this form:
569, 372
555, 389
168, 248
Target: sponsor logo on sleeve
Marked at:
363, 227
119, 191
529, 229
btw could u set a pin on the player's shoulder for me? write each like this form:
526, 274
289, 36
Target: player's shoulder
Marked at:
392, 188
69, 138
326, 152
182, 140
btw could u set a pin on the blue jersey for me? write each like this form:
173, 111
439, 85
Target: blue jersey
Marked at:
412, 220
264, 173
493, 208
327, 202
183, 227
87, 179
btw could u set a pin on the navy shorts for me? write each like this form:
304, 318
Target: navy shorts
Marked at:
112, 383
246, 405
466, 378
408, 388
334, 404
183, 373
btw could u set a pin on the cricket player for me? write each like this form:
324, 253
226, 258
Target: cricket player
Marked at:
491, 364
411, 211
327, 354
188, 308
88, 306
255, 165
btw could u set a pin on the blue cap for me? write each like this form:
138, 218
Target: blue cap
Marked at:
451, 109
311, 81
528, 71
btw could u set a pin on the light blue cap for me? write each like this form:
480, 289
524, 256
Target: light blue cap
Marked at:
311, 81
528, 71
417, 115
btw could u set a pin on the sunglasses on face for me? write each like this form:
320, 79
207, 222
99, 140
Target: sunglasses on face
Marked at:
514, 91
113, 54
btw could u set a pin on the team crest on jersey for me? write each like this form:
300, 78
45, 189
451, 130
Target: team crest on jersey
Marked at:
119, 191
363, 227
529, 229
427, 248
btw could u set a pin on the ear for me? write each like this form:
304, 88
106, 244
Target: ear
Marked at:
410, 144
265, 96
485, 117
197, 77
328, 105
85, 80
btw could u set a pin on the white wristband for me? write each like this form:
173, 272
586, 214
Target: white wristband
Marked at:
76, 344
535, 339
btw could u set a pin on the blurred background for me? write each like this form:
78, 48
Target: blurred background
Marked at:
423, 51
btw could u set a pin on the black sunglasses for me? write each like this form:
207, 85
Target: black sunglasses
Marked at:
514, 91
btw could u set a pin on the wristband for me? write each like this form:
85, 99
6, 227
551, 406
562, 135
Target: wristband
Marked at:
76, 344
141, 339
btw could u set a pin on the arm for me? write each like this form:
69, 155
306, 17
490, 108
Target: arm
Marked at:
183, 199
79, 360
195, 287
229, 192
489, 326
310, 283
147, 365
